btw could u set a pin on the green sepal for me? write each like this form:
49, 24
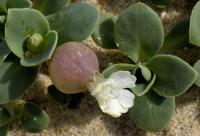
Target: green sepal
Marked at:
117, 67
173, 75
143, 88
103, 34
137, 38
152, 112
33, 118
15, 80
75, 22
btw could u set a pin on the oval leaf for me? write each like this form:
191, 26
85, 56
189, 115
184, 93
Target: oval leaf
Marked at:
194, 32
146, 73
178, 37
6, 114
117, 67
134, 36
104, 31
75, 22
152, 112
18, 4
143, 88
4, 51
197, 68
161, 3
33, 118
4, 130
173, 75
14, 80
50, 42
22, 23
49, 6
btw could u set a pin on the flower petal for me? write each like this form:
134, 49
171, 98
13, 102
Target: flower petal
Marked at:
123, 79
126, 98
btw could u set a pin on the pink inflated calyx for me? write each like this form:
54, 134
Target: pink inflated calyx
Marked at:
72, 67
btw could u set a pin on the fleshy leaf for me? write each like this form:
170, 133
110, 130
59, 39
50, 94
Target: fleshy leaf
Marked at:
14, 80
143, 88
178, 37
22, 23
117, 67
146, 73
194, 32
4, 51
152, 112
197, 68
33, 118
3, 7
104, 31
173, 75
4, 130
49, 6
75, 22
134, 36
50, 42
18, 4
161, 3
6, 114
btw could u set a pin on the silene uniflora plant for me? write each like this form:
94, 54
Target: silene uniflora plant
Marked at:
33, 32
138, 33
29, 33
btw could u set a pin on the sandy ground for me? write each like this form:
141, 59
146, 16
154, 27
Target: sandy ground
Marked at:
88, 120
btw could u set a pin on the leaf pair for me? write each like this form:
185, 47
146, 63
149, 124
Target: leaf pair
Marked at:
72, 23
31, 116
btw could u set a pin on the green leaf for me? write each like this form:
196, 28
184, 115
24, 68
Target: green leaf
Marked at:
152, 112
194, 32
75, 22
117, 67
146, 73
4, 52
49, 6
197, 68
173, 75
33, 118
50, 42
22, 23
104, 31
3, 7
161, 3
143, 88
178, 37
4, 130
6, 114
18, 4
139, 32
14, 80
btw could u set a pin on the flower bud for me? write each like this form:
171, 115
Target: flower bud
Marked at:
72, 67
34, 43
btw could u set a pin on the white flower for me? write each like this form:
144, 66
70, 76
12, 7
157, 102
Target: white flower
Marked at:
111, 94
